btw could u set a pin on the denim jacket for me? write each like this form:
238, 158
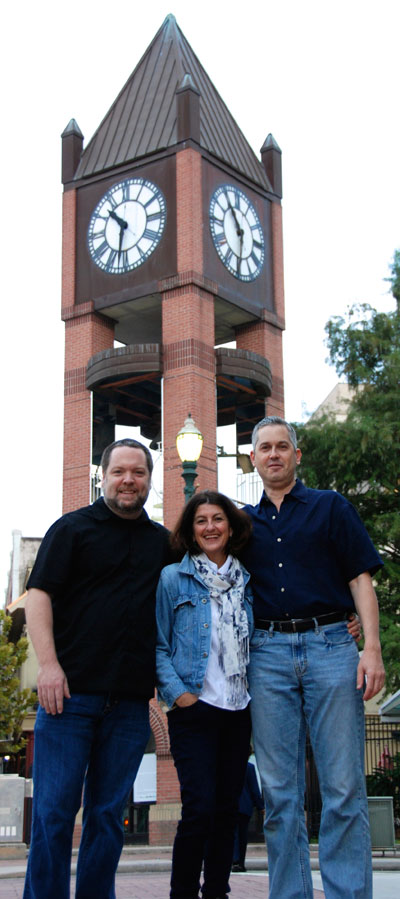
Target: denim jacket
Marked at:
184, 629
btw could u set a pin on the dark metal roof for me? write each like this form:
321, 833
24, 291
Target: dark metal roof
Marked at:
143, 118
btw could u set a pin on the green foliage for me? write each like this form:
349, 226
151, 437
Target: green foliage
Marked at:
360, 456
364, 346
394, 279
385, 781
14, 702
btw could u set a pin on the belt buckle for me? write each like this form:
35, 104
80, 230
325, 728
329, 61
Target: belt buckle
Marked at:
282, 625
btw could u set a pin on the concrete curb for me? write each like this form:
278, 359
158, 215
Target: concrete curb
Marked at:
162, 865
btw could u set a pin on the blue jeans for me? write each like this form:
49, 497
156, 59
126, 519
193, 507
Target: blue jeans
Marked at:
98, 742
210, 748
309, 680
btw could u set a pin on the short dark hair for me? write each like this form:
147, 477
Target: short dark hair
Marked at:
273, 420
127, 441
182, 535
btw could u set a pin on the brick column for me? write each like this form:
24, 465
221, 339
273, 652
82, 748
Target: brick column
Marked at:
165, 814
277, 261
265, 337
188, 342
86, 333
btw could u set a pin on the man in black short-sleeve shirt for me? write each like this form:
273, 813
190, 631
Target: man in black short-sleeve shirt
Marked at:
91, 617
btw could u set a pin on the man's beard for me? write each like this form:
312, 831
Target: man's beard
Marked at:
126, 509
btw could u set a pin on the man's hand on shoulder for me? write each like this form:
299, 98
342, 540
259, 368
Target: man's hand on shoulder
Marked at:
354, 627
52, 687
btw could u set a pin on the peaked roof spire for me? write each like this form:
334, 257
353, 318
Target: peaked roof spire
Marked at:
144, 120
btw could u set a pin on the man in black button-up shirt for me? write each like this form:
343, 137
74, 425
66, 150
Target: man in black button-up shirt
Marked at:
311, 562
91, 617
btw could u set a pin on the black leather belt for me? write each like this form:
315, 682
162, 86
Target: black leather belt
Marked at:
294, 625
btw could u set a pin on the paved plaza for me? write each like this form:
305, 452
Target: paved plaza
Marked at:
149, 885
144, 873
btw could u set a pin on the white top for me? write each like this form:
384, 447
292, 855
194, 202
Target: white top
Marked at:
215, 684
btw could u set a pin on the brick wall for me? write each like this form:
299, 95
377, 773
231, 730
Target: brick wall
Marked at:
164, 816
86, 333
265, 337
68, 269
277, 261
189, 201
188, 341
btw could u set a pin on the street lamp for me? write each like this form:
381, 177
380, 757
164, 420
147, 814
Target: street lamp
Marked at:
189, 443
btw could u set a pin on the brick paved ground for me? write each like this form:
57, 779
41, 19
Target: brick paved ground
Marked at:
156, 886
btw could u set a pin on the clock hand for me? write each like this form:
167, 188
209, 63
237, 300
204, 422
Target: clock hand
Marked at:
122, 227
239, 262
239, 230
121, 237
121, 222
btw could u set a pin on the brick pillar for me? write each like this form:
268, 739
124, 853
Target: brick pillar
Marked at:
188, 342
86, 333
165, 814
277, 261
265, 337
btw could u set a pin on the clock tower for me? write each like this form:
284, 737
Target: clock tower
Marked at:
172, 247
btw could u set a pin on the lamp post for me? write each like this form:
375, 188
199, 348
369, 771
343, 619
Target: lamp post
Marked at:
189, 443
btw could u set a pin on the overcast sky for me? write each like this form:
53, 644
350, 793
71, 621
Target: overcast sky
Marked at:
322, 76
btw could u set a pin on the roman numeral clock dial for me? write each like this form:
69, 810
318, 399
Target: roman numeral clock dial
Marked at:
236, 232
126, 226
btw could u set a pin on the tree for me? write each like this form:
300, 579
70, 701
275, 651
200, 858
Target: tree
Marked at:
14, 702
394, 279
359, 457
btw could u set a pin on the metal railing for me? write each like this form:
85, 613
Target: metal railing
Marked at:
382, 740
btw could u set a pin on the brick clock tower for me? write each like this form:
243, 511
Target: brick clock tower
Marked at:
172, 246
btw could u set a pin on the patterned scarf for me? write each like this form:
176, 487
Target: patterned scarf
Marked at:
233, 626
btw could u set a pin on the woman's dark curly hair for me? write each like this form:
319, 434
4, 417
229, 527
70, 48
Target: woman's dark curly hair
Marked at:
182, 535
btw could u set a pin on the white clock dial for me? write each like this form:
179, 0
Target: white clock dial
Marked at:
236, 232
126, 225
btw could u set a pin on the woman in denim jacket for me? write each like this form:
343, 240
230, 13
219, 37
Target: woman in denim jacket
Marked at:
204, 620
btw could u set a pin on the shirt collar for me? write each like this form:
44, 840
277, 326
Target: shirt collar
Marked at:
298, 492
224, 567
102, 512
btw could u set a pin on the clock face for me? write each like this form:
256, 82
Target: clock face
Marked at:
126, 225
236, 232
